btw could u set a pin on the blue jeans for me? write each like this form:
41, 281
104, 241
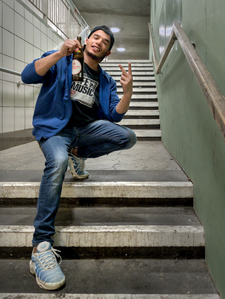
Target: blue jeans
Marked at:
93, 140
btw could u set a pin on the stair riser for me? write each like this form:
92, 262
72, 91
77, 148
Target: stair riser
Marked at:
139, 90
70, 253
107, 296
136, 78
145, 105
141, 84
103, 190
142, 112
135, 73
144, 96
106, 202
134, 68
109, 236
140, 122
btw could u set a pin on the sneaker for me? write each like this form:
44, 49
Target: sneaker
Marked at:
76, 166
44, 266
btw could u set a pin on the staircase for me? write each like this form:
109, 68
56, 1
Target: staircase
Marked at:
128, 232
143, 115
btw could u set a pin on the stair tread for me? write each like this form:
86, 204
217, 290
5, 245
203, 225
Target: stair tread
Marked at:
151, 133
144, 96
127, 122
135, 78
108, 68
140, 104
108, 278
137, 112
134, 73
110, 296
137, 90
106, 216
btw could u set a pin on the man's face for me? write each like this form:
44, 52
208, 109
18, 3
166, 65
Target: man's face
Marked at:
97, 46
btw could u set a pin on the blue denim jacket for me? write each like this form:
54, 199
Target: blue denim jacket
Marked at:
54, 107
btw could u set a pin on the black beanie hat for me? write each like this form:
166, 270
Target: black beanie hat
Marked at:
107, 30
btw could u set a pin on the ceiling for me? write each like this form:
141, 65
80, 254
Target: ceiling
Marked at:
131, 16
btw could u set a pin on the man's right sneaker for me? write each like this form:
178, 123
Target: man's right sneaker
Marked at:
76, 166
44, 266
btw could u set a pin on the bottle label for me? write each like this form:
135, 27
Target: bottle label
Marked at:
76, 67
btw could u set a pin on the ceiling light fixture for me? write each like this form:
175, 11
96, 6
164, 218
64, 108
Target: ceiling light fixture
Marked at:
120, 49
114, 29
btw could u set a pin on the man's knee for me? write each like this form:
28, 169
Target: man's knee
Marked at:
131, 138
58, 162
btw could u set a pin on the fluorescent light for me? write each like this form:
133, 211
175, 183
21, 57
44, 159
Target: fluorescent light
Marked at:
120, 49
114, 29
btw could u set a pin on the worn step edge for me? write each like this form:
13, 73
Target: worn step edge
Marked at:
126, 60
148, 133
139, 78
144, 96
141, 84
107, 296
142, 113
143, 89
134, 68
144, 104
103, 189
147, 122
134, 73
109, 236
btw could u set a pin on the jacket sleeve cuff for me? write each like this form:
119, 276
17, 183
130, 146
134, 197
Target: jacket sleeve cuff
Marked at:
116, 116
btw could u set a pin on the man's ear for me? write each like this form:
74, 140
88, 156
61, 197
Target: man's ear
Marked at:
108, 53
86, 41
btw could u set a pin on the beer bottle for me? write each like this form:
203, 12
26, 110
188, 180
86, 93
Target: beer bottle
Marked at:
78, 63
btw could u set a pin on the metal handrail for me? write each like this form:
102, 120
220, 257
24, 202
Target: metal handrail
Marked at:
213, 95
2, 69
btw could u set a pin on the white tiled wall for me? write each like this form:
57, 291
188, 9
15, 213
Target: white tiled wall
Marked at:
23, 37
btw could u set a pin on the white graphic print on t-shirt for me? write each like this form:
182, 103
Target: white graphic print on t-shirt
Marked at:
84, 92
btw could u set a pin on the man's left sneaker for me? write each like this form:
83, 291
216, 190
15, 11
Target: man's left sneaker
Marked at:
44, 266
76, 166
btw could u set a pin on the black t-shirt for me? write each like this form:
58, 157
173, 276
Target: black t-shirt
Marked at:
85, 98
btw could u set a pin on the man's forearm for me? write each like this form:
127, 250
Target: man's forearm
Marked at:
124, 104
44, 64
127, 83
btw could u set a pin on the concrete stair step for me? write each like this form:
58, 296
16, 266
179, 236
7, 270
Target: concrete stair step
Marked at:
134, 68
140, 122
144, 97
140, 84
102, 216
139, 90
107, 227
145, 112
86, 189
113, 279
136, 78
134, 73
109, 236
116, 62
149, 134
109, 296
143, 104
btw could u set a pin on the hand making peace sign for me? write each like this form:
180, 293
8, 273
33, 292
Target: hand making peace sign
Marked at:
127, 80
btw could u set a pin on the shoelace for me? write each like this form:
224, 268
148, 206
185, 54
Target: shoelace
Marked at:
48, 260
78, 162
